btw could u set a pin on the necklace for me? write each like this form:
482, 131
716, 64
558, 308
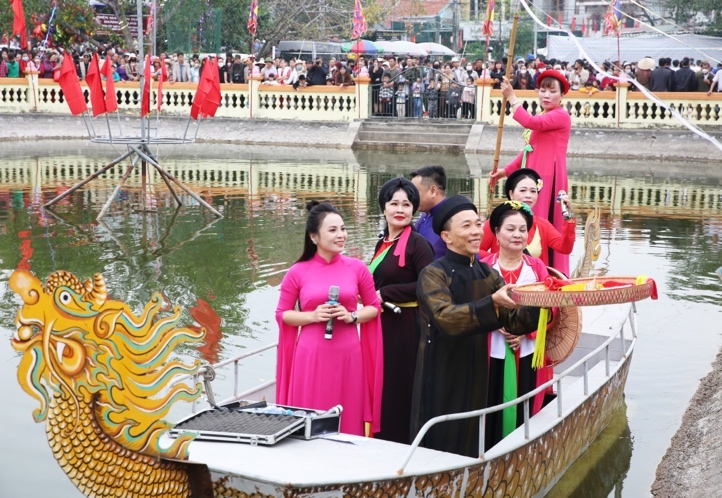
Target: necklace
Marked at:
386, 239
510, 276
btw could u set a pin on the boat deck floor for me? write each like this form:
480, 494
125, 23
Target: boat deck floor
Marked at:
304, 463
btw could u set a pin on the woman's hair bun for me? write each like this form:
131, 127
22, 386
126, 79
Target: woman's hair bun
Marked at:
311, 204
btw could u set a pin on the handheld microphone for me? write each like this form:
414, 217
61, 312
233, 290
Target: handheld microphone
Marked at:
333, 293
393, 307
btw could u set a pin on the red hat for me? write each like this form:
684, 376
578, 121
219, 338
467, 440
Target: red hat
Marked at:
541, 65
553, 73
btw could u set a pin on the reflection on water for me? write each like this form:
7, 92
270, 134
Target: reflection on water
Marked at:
225, 273
601, 469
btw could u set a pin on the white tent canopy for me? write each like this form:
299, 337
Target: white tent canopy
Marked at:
401, 48
632, 49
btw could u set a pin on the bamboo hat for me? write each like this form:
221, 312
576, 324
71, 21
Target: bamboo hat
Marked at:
646, 63
564, 333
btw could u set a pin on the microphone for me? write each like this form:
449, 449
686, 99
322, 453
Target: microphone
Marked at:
393, 307
333, 293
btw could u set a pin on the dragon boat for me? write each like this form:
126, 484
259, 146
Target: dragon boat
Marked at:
105, 380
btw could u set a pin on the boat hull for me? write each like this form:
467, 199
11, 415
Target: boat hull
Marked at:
529, 471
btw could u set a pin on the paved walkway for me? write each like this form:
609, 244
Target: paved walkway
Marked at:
652, 145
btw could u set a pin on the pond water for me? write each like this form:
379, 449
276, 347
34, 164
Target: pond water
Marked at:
662, 220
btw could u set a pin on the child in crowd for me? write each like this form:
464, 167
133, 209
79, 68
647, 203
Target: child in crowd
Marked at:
416, 90
401, 95
468, 99
432, 98
589, 88
386, 94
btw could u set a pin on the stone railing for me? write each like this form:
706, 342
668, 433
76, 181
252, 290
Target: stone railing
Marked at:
329, 103
600, 110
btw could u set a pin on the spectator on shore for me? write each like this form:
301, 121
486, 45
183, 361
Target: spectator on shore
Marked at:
523, 80
497, 73
315, 73
4, 63
13, 66
662, 77
579, 75
83, 66
343, 77
392, 69
704, 77
181, 70
300, 82
269, 70
716, 82
643, 73
684, 78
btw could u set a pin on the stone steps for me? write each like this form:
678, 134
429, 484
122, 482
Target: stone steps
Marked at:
394, 133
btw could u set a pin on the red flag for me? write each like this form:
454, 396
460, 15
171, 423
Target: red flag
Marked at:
202, 89
213, 98
147, 83
163, 77
70, 85
19, 26
549, 20
574, 23
111, 100
97, 97
596, 28
560, 18
584, 27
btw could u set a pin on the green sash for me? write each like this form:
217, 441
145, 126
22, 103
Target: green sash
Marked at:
377, 260
508, 423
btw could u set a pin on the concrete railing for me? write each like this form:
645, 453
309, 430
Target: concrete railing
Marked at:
601, 110
329, 103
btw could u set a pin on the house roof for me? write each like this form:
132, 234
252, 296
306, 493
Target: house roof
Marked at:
414, 9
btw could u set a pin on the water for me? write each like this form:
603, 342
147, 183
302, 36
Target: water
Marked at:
665, 223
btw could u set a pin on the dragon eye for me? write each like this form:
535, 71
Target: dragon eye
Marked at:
65, 297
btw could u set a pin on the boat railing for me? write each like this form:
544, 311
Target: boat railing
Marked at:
557, 381
208, 372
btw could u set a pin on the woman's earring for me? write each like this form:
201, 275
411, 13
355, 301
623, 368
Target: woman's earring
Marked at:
314, 242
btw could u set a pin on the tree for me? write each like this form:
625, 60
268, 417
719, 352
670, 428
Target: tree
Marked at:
74, 20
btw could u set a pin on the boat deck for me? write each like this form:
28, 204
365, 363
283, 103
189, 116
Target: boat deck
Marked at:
297, 463
301, 463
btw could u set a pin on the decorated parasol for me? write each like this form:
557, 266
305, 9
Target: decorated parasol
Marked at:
361, 47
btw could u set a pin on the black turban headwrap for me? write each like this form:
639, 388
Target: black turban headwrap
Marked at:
449, 208
517, 176
496, 215
389, 188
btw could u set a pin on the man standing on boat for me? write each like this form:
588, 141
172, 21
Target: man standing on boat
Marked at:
431, 183
461, 301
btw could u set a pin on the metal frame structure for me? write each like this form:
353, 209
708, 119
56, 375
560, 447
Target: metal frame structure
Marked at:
138, 149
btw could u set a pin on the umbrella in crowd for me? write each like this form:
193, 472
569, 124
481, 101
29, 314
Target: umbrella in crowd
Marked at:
361, 47
436, 49
401, 48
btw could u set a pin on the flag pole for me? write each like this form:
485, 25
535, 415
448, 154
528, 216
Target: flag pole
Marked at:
502, 111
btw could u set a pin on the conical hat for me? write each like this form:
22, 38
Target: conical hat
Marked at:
564, 333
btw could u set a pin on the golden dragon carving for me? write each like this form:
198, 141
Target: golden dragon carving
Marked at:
101, 376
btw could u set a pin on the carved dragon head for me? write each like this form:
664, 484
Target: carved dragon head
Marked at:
79, 344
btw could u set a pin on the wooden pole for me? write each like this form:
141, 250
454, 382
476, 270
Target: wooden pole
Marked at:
502, 111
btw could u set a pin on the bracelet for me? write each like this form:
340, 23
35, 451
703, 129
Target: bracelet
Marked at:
514, 103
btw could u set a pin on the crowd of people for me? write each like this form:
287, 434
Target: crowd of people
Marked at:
402, 86
431, 308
